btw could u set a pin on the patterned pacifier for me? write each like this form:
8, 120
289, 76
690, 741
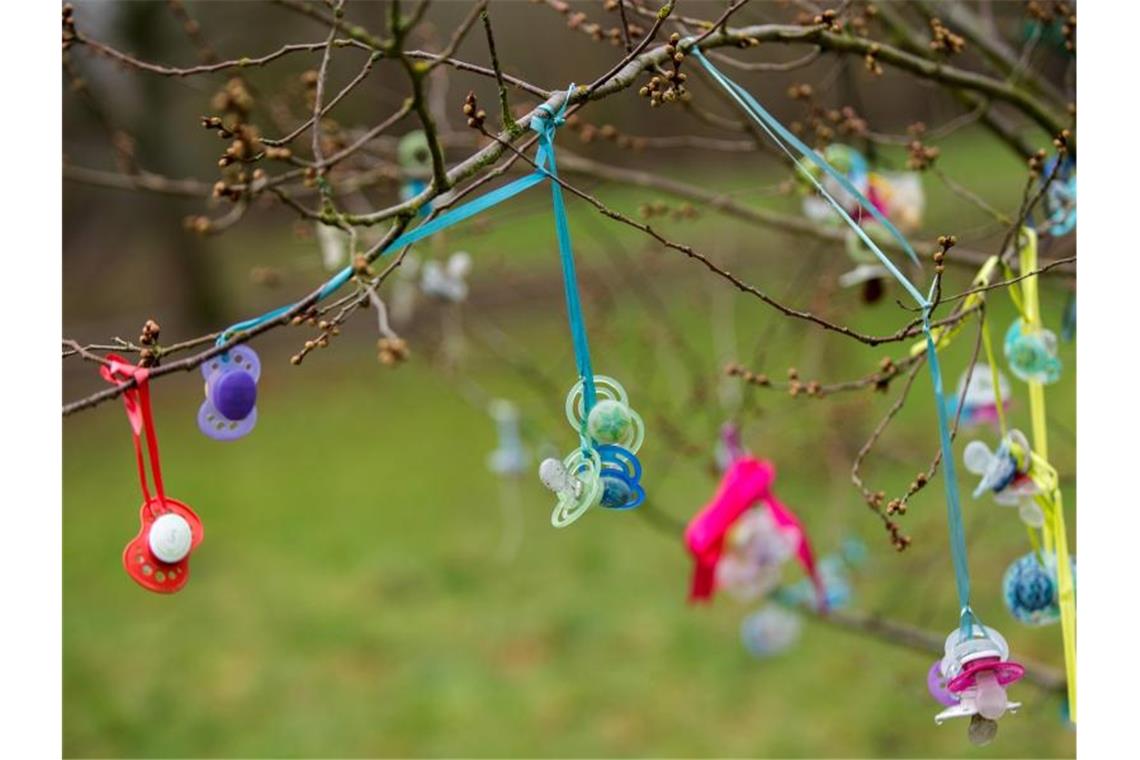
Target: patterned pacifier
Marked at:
769, 632
851, 164
976, 389
1005, 472
975, 672
755, 551
621, 478
612, 420
1029, 588
605, 469
576, 480
1032, 356
229, 411
158, 558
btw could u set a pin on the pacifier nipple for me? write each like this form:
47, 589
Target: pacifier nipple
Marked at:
170, 538
992, 701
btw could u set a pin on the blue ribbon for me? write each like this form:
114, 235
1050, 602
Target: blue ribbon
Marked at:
545, 125
780, 135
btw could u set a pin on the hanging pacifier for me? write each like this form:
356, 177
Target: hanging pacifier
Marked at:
1005, 472
1029, 589
158, 558
901, 197
976, 389
847, 161
511, 457
334, 245
755, 551
1032, 356
976, 670
1060, 197
229, 411
414, 157
621, 478
936, 685
606, 466
611, 420
1069, 317
729, 447
447, 281
769, 632
577, 482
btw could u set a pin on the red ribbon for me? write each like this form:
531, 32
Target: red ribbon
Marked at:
746, 482
136, 399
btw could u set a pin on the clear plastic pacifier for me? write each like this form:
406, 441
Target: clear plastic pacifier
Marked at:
1005, 472
611, 420
756, 549
975, 671
1032, 356
769, 632
511, 457
976, 389
577, 482
447, 281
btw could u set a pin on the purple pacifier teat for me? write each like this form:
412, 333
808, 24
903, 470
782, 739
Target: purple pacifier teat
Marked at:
229, 411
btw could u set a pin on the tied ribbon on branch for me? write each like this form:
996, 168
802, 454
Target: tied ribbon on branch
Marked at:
158, 558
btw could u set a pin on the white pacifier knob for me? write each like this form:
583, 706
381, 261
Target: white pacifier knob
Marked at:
170, 538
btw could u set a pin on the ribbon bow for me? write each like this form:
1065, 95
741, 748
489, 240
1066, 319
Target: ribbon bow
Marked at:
747, 481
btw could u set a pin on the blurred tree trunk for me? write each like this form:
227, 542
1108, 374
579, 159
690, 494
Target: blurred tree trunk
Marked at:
148, 28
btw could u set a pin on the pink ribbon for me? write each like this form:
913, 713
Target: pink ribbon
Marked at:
747, 481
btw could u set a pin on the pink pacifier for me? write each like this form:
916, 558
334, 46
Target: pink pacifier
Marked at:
976, 670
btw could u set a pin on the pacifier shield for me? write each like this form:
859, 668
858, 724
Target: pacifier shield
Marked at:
140, 560
1005, 672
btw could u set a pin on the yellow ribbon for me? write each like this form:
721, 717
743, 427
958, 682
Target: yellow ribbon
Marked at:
943, 334
1046, 480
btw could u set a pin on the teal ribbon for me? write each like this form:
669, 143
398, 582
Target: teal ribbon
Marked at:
441, 222
782, 137
545, 125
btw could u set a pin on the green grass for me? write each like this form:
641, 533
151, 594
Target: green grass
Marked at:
350, 597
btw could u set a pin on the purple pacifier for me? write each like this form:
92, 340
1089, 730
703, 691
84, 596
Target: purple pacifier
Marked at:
936, 684
229, 411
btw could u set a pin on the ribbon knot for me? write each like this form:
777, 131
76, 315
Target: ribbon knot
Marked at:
548, 120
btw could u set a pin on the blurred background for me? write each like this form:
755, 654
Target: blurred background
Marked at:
367, 585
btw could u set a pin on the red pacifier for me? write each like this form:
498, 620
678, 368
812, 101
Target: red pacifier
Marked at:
158, 558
